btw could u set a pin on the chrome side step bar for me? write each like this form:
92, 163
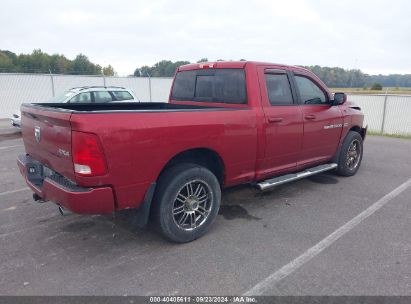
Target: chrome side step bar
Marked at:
273, 182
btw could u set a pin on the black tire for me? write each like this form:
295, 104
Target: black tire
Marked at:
349, 160
175, 182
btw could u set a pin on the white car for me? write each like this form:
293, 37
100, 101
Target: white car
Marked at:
91, 94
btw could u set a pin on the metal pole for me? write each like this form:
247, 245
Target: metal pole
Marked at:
383, 113
52, 84
104, 78
149, 85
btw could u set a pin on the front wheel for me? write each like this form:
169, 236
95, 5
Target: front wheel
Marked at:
350, 154
186, 202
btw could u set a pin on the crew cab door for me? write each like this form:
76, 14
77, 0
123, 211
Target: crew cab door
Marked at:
323, 122
282, 124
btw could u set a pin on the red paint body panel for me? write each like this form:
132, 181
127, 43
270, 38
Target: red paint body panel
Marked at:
55, 135
94, 201
138, 144
319, 143
281, 130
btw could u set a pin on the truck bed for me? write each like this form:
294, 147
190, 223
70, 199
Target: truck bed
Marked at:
123, 107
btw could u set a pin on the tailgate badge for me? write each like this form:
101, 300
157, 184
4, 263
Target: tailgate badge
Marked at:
64, 153
37, 133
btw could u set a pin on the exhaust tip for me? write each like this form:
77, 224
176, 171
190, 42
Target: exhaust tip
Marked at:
63, 211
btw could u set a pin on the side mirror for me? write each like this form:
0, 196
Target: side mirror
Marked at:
339, 98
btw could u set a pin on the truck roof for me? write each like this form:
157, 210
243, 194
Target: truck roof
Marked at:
232, 65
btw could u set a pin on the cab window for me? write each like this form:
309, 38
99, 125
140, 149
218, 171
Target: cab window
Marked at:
278, 89
211, 85
310, 92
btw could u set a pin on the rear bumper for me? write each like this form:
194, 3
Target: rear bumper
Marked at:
74, 198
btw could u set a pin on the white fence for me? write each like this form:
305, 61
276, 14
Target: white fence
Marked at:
16, 89
389, 114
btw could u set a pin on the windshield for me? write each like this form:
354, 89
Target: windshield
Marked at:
62, 97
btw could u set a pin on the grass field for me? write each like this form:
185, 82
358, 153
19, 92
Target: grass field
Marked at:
374, 133
388, 90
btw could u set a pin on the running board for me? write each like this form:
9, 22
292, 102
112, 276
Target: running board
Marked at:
273, 182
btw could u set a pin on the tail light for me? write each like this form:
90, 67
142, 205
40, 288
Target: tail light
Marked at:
88, 156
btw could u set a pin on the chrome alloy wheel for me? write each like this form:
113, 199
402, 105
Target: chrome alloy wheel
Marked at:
192, 205
353, 154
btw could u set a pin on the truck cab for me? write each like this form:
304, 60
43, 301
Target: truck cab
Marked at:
300, 122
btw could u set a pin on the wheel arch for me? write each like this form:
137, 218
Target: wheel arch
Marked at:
359, 130
202, 156
354, 128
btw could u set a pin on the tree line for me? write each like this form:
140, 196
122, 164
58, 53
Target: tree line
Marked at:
341, 78
164, 68
333, 77
40, 62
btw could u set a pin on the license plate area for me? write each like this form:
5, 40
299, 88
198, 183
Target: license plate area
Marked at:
35, 173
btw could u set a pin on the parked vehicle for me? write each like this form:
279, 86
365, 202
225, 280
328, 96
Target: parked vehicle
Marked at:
226, 123
89, 94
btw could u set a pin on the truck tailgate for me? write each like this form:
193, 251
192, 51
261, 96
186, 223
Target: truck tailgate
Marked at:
47, 138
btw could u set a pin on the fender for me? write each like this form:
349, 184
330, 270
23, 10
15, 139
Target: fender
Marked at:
363, 133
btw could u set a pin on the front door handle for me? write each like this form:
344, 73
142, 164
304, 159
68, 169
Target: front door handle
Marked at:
275, 119
309, 116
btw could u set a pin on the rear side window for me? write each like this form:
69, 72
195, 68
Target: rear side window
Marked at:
219, 85
278, 89
102, 96
122, 95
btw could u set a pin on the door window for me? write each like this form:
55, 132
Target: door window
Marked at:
278, 89
102, 96
122, 95
81, 98
309, 91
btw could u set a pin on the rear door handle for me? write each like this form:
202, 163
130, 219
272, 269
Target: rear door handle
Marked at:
275, 119
309, 116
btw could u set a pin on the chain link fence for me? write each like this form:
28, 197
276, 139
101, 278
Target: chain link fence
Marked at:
16, 89
386, 114
389, 114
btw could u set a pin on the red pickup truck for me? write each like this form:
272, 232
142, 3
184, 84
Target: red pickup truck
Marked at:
226, 123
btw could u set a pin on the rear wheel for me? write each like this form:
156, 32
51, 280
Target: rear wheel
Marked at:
350, 154
186, 202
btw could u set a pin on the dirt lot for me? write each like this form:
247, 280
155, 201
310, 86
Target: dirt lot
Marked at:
278, 243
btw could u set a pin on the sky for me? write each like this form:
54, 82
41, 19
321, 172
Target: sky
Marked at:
371, 35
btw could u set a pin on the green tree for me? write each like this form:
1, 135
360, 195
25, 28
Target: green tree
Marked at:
339, 78
61, 65
40, 62
108, 71
82, 66
144, 71
6, 63
164, 68
376, 86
